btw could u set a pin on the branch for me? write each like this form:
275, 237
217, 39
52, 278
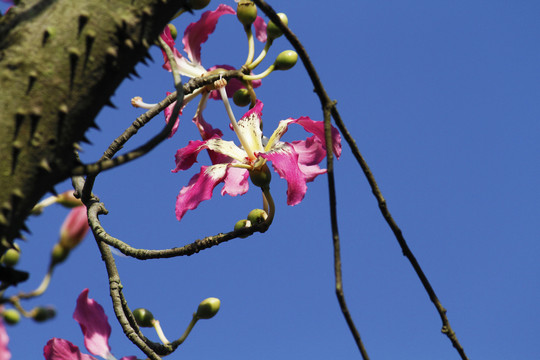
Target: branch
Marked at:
328, 104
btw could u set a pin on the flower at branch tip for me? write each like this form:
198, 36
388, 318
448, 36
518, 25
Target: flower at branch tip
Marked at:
296, 162
96, 330
195, 35
74, 228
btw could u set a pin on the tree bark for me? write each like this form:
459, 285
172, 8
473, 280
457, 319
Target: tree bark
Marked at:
60, 61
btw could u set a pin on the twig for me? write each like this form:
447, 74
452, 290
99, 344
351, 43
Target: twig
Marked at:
325, 101
327, 106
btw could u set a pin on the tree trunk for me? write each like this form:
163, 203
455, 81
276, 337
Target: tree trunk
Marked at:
60, 61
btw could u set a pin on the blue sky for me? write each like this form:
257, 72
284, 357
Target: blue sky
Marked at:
442, 99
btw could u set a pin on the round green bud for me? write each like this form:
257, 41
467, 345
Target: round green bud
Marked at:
244, 223
272, 31
198, 4
208, 308
143, 317
261, 177
286, 60
257, 216
246, 12
44, 313
59, 254
241, 97
11, 256
11, 316
173, 30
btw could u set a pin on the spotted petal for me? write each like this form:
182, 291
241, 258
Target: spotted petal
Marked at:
187, 156
94, 325
168, 112
250, 127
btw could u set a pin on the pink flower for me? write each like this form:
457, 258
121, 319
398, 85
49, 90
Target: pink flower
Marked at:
74, 228
96, 330
4, 340
296, 162
195, 35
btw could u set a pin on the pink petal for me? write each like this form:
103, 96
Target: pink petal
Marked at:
208, 132
94, 325
187, 156
285, 162
317, 129
4, 340
232, 86
260, 29
257, 109
236, 182
129, 358
197, 33
60, 349
168, 112
310, 153
167, 37
200, 188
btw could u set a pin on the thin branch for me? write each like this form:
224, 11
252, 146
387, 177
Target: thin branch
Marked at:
187, 250
326, 102
335, 234
108, 163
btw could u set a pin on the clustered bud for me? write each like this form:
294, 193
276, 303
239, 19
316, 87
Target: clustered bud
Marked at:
11, 316
143, 317
257, 216
246, 12
241, 97
272, 31
174, 32
208, 308
43, 313
286, 60
11, 256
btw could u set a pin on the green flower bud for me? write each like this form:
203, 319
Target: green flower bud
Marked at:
44, 313
286, 60
198, 4
257, 216
173, 30
246, 12
272, 31
261, 177
143, 317
244, 223
11, 256
208, 308
59, 254
11, 316
241, 97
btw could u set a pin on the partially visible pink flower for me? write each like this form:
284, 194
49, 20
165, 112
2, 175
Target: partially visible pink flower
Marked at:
74, 228
4, 340
96, 330
295, 162
195, 35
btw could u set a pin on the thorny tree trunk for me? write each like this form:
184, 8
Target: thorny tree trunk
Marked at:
60, 61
